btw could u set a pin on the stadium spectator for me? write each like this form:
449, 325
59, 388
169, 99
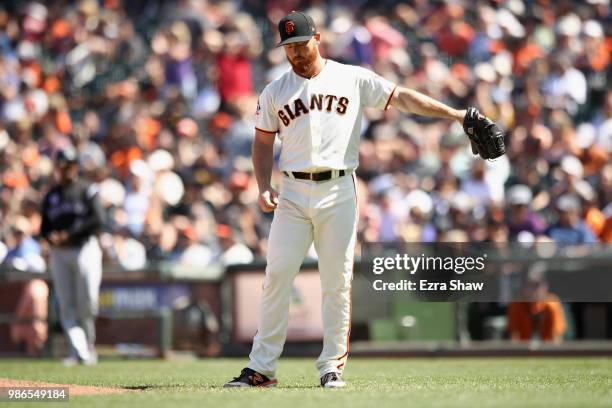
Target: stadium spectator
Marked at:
603, 124
475, 185
30, 329
570, 229
129, 253
540, 315
24, 252
232, 252
593, 217
188, 250
521, 218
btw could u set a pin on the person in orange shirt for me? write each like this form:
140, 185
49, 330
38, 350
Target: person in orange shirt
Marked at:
606, 232
593, 217
596, 51
524, 54
542, 314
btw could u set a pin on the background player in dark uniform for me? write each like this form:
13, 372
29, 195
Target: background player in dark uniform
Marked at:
72, 215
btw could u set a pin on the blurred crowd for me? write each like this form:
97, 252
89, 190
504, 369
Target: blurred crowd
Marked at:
158, 98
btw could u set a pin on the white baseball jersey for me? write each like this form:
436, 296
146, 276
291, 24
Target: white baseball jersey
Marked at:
318, 120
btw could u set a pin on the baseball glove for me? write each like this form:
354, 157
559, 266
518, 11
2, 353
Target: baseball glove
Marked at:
486, 138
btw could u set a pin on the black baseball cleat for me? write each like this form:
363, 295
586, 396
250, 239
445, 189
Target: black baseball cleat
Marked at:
332, 380
251, 378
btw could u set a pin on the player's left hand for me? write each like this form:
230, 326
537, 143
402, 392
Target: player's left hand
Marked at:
486, 138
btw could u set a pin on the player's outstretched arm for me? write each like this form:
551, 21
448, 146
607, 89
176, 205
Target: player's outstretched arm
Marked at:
486, 138
263, 160
410, 101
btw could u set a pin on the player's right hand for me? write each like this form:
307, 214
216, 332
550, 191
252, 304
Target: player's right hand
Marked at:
268, 200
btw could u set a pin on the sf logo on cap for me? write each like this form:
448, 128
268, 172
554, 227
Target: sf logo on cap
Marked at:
289, 27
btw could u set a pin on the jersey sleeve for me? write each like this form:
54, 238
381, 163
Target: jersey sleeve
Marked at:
265, 115
375, 91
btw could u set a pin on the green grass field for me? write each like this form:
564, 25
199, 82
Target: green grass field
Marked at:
486, 382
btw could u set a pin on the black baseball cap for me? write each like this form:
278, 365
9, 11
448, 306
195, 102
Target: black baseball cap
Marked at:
295, 27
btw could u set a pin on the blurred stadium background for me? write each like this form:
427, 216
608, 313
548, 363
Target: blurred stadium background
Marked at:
158, 98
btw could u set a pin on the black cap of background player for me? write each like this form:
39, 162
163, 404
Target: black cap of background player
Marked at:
67, 155
296, 27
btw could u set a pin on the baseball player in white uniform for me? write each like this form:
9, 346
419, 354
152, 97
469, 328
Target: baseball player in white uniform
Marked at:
316, 111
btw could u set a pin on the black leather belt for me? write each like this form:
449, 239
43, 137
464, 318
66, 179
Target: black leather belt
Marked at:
321, 176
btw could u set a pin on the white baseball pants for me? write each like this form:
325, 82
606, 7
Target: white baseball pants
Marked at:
324, 213
77, 273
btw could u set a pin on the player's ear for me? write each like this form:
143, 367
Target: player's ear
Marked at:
317, 37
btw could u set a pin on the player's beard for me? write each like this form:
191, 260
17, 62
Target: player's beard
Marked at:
305, 65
